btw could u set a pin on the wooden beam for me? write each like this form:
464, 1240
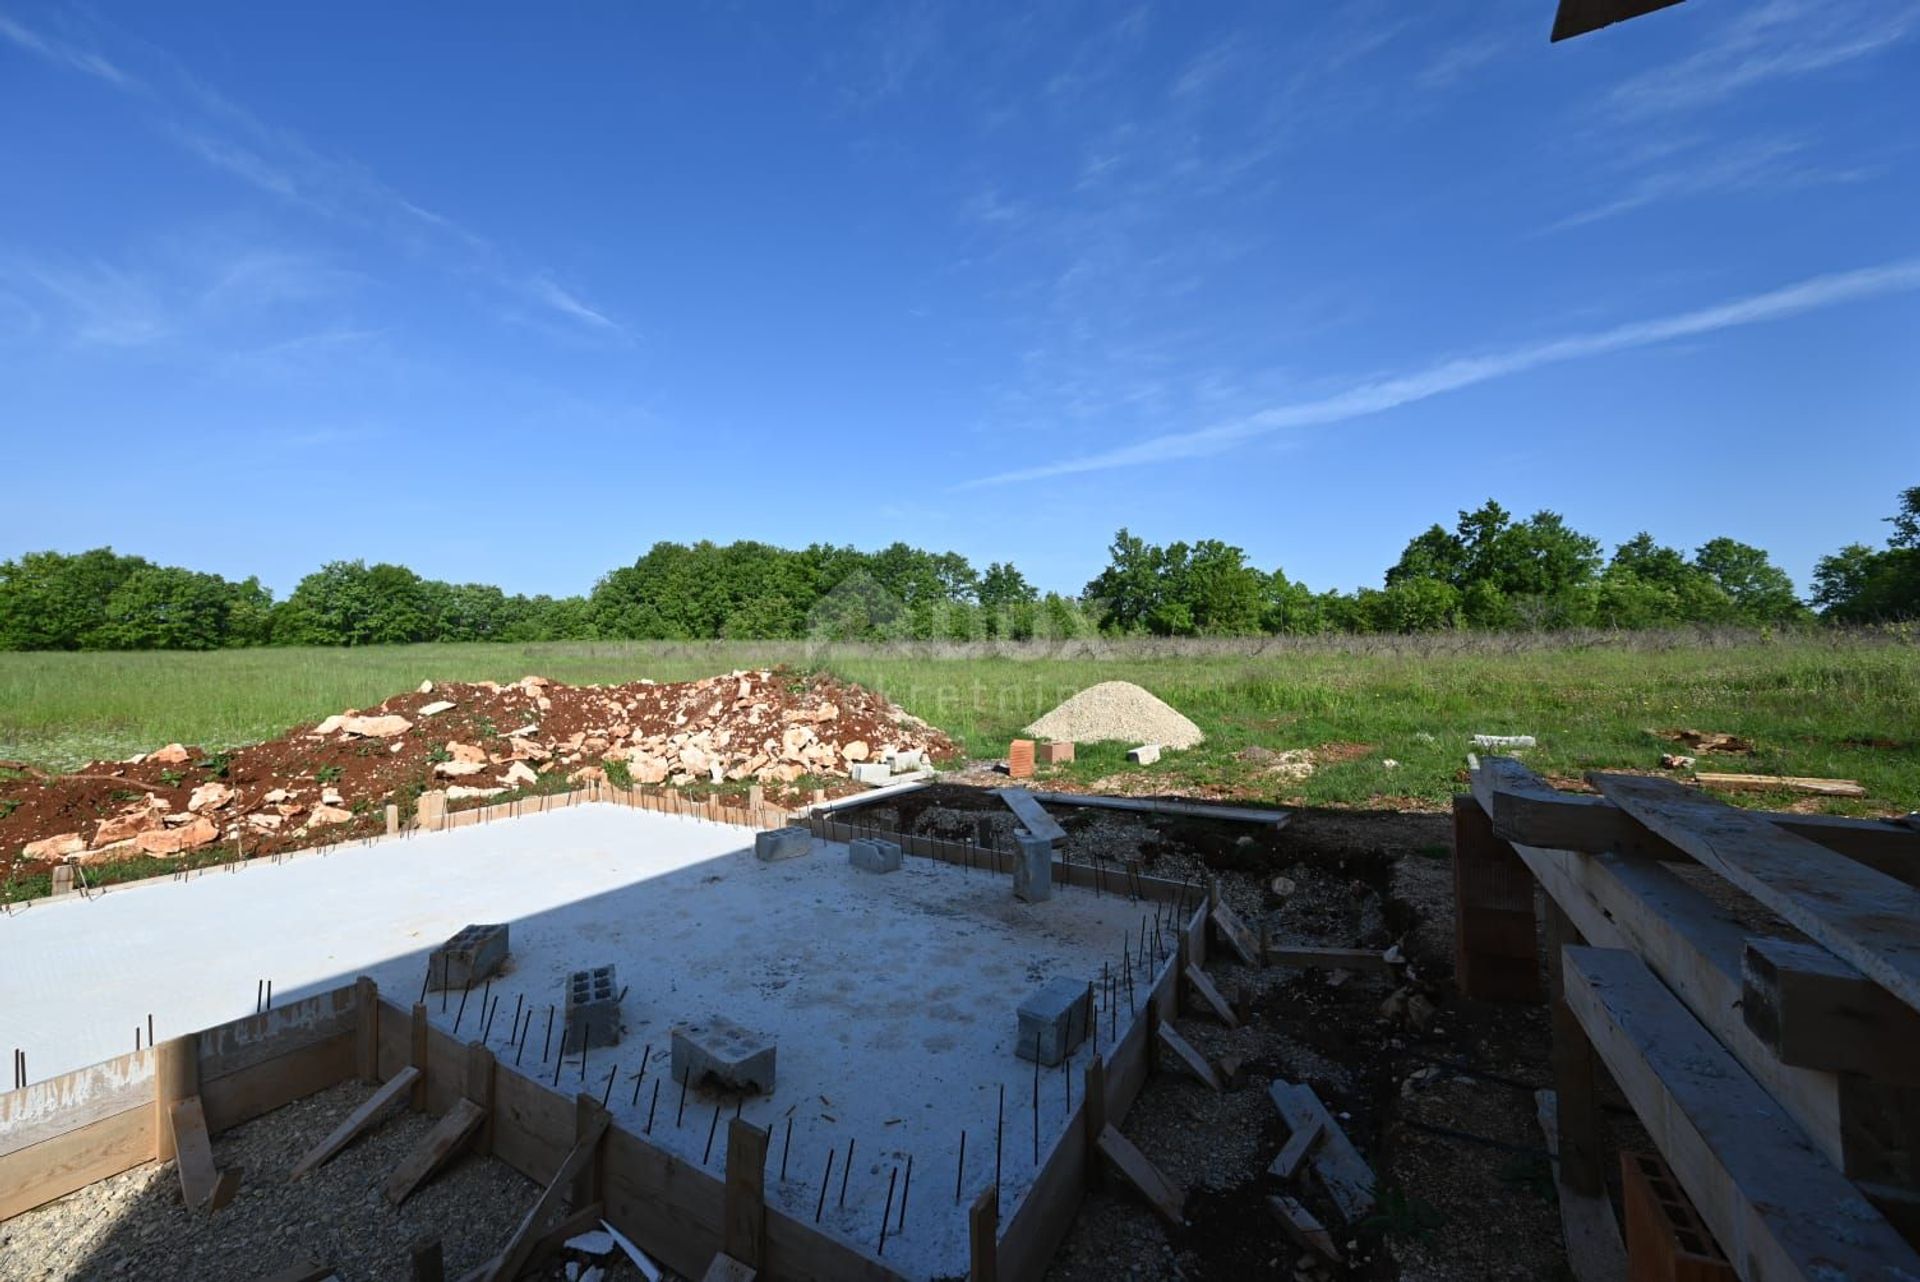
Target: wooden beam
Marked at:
1094, 1110
1779, 783
193, 1154
1495, 935
1211, 996
1342, 1172
55, 1167
1151, 806
356, 1122
477, 1085
176, 1076
366, 1023
1194, 1062
1816, 1011
983, 1237
743, 1219
1328, 958
1770, 1198
1235, 932
1859, 914
448, 1134
1576, 1091
1529, 811
417, 1056
1162, 1194
1595, 1252
426, 1261
1032, 815
1306, 1231
520, 1246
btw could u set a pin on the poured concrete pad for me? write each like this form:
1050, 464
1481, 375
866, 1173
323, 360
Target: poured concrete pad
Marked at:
888, 996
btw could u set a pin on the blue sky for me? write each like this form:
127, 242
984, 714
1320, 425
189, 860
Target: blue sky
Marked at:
509, 292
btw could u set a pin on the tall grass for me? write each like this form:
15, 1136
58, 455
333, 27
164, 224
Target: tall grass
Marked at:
1814, 703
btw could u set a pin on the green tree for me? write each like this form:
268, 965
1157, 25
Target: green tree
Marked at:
1760, 591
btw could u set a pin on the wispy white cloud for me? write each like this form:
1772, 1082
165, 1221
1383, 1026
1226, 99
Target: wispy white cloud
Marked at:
104, 306
1377, 395
227, 136
1754, 164
1461, 60
1773, 40
62, 54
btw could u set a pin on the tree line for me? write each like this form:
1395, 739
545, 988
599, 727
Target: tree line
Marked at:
1490, 571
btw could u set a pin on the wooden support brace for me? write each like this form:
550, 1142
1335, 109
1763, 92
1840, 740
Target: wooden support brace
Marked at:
1211, 996
1294, 1152
417, 1056
1594, 1250
477, 1087
1494, 928
1768, 1196
519, 1249
743, 1224
366, 1029
1342, 1172
1816, 1011
983, 1237
1577, 1139
176, 1076
202, 1185
1162, 1194
590, 1184
1235, 932
1094, 1092
440, 1143
1304, 1228
549, 1243
356, 1122
1190, 1058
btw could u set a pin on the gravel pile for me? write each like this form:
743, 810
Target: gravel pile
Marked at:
1117, 710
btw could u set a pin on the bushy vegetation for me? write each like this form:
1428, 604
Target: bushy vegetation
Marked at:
1489, 572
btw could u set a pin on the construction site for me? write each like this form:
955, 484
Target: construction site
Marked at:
899, 1026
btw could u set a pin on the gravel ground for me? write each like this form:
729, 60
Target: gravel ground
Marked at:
1118, 711
134, 1225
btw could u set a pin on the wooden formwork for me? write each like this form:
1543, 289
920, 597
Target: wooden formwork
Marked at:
65, 1133
1777, 1070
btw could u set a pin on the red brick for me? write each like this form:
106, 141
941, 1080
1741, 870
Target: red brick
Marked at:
1020, 759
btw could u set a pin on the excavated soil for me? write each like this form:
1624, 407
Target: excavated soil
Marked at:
323, 782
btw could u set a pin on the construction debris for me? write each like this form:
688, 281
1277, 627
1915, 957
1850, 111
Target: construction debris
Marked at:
1341, 1171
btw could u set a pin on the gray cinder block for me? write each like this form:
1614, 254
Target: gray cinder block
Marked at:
781, 843
1145, 755
1054, 1020
870, 772
870, 854
721, 1051
593, 1010
468, 958
1032, 868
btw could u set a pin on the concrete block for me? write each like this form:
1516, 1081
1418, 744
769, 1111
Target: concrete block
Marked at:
1053, 1021
593, 1009
1032, 868
467, 958
781, 843
430, 811
721, 1052
870, 772
1057, 753
908, 760
870, 854
1145, 755
1020, 759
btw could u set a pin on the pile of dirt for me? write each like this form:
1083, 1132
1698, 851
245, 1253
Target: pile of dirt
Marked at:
1117, 711
479, 742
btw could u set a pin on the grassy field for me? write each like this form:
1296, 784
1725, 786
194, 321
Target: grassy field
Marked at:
1814, 704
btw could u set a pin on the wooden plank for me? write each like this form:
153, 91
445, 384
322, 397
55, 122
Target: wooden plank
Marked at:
417, 1056
1235, 932
743, 1232
193, 1152
1526, 810
54, 1106
1329, 958
1162, 1194
1816, 1011
1771, 1199
1211, 996
1287, 1163
1032, 815
1779, 783
1595, 1252
1304, 1228
520, 1246
435, 1147
1168, 806
983, 1220
176, 1076
240, 1044
269, 1084
1860, 915
1184, 1051
1494, 928
1342, 1172
358, 1121
366, 1021
56, 1167
727, 1269
1576, 1089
